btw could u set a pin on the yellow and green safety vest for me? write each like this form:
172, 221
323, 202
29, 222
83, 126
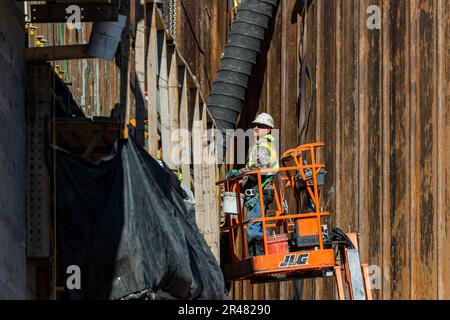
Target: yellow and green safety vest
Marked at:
255, 163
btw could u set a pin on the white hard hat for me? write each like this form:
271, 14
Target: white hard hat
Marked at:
264, 119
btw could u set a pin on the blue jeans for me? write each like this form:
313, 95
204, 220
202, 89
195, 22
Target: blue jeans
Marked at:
254, 228
255, 231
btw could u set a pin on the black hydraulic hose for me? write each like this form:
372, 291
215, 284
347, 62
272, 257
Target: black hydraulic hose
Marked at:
245, 40
340, 235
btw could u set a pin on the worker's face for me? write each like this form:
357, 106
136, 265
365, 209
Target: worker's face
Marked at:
260, 131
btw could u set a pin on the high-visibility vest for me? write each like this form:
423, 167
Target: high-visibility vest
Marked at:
268, 143
134, 124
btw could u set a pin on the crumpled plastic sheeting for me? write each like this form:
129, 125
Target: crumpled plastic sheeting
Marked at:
124, 222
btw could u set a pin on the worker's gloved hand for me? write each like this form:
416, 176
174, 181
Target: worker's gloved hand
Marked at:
232, 173
251, 201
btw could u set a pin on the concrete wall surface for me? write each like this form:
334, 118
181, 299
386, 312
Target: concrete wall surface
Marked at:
12, 152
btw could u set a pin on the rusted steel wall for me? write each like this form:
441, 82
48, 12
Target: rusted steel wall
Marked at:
379, 99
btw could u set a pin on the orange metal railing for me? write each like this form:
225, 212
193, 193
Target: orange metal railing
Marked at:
294, 163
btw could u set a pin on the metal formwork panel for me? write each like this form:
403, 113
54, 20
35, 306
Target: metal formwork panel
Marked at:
354, 264
39, 185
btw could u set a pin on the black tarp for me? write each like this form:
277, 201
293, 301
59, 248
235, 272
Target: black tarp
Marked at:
125, 224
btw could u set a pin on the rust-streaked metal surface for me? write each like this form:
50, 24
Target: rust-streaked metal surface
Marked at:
379, 99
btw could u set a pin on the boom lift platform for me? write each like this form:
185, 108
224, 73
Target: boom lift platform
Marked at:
296, 245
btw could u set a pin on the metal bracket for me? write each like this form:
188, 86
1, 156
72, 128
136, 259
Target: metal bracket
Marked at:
39, 185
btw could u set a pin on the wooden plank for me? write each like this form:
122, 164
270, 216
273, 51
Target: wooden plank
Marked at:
212, 231
288, 102
159, 21
386, 265
347, 172
247, 291
206, 36
188, 38
163, 83
125, 76
256, 292
336, 117
307, 53
400, 152
273, 88
371, 122
215, 36
310, 128
288, 97
131, 100
218, 34
238, 290
440, 47
68, 52
184, 125
140, 49
326, 104
198, 172
213, 194
443, 140
273, 94
414, 173
363, 123
305, 113
174, 106
426, 213
152, 82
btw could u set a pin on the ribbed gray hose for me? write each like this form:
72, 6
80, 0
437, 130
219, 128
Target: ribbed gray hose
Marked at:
244, 44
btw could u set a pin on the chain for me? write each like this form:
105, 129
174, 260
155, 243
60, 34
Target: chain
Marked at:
173, 18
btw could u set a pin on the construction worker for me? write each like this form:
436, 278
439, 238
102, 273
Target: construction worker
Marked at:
133, 124
262, 155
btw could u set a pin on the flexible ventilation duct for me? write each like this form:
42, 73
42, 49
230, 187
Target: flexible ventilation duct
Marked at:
244, 44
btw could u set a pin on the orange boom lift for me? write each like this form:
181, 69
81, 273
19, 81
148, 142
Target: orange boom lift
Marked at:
297, 245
